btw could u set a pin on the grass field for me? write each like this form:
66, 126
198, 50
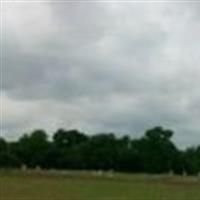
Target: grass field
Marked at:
52, 185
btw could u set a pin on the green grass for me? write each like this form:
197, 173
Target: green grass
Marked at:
53, 185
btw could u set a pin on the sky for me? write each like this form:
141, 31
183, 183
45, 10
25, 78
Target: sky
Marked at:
108, 66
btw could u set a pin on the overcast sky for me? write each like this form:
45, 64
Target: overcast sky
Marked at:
114, 67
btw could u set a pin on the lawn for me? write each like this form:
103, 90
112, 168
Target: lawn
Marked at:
69, 185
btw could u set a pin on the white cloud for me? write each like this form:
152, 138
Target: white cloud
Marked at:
103, 66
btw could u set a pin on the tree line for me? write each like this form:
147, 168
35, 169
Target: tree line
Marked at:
71, 149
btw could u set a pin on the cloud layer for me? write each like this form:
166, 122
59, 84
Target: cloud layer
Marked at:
121, 67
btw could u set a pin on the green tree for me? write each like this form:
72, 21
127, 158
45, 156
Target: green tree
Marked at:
67, 147
192, 161
32, 149
7, 158
156, 150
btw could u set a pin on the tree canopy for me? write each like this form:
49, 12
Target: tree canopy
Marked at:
154, 152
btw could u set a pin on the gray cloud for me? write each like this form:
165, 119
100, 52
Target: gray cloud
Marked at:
120, 67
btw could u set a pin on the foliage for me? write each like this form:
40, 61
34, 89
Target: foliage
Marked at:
70, 149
